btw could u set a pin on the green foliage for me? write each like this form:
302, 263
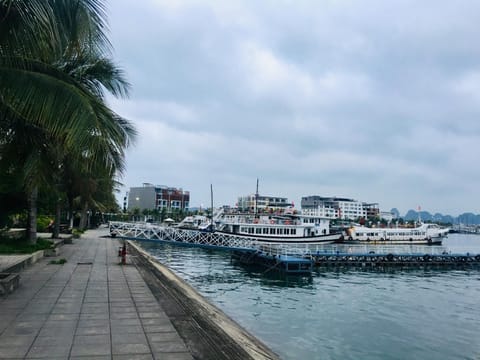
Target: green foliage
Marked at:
42, 223
58, 262
77, 233
22, 246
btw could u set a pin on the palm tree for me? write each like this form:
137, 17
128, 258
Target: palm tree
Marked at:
54, 68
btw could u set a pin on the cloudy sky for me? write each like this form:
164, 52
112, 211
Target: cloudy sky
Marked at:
369, 99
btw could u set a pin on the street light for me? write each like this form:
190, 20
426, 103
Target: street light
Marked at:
169, 205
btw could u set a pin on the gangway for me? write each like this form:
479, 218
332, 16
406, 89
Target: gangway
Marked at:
291, 260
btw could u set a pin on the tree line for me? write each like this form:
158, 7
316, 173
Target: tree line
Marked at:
61, 145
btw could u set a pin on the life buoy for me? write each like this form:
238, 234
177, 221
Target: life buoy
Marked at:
350, 238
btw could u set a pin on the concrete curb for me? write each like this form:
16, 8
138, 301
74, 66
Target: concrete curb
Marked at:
22, 264
212, 315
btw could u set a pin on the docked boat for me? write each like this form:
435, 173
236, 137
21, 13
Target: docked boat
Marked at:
283, 227
422, 234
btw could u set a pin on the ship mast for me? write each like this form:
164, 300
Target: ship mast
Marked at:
211, 207
256, 200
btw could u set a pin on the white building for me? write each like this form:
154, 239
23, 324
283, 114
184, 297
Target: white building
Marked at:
262, 202
338, 208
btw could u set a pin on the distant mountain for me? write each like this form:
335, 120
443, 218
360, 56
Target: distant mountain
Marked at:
465, 218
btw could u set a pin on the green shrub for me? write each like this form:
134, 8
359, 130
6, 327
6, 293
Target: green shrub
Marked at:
22, 246
76, 233
42, 223
58, 262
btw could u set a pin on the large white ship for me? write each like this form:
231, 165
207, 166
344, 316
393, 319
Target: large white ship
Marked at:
287, 226
422, 234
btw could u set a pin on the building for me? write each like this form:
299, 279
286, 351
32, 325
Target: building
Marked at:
158, 197
338, 208
263, 202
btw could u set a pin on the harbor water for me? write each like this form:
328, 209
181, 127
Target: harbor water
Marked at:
348, 313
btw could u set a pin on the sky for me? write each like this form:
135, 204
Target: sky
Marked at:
374, 100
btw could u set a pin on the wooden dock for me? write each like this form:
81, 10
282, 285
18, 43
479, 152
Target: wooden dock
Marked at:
396, 260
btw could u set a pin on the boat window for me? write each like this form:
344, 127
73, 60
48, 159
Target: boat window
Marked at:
294, 231
272, 231
258, 231
287, 231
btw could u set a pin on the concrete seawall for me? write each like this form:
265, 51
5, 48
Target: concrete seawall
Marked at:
207, 331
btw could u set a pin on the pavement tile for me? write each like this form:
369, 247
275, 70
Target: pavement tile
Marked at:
127, 315
124, 349
25, 340
122, 310
173, 356
63, 317
47, 352
150, 315
93, 323
53, 340
93, 330
16, 330
94, 316
91, 339
133, 357
159, 328
91, 350
156, 321
125, 322
122, 329
52, 332
162, 337
133, 338
168, 346
7, 352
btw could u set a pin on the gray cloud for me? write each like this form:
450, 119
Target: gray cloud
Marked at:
374, 100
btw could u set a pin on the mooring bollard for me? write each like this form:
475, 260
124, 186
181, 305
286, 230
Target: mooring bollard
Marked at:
122, 252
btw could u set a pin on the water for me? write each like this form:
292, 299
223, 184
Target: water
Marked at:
348, 314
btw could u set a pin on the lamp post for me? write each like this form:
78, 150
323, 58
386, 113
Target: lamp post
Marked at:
169, 205
137, 206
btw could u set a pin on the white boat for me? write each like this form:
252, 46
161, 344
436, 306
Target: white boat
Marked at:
422, 234
284, 227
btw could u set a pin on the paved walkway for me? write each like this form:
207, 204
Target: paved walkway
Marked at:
88, 308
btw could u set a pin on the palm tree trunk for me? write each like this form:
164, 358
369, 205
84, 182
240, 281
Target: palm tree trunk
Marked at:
83, 217
56, 228
32, 216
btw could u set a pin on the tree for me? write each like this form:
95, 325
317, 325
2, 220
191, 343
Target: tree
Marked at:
54, 68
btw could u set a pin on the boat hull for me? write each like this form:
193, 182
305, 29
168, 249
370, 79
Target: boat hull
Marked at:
435, 241
322, 239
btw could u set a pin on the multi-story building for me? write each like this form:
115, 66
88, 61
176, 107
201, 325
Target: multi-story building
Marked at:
338, 208
159, 197
262, 202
